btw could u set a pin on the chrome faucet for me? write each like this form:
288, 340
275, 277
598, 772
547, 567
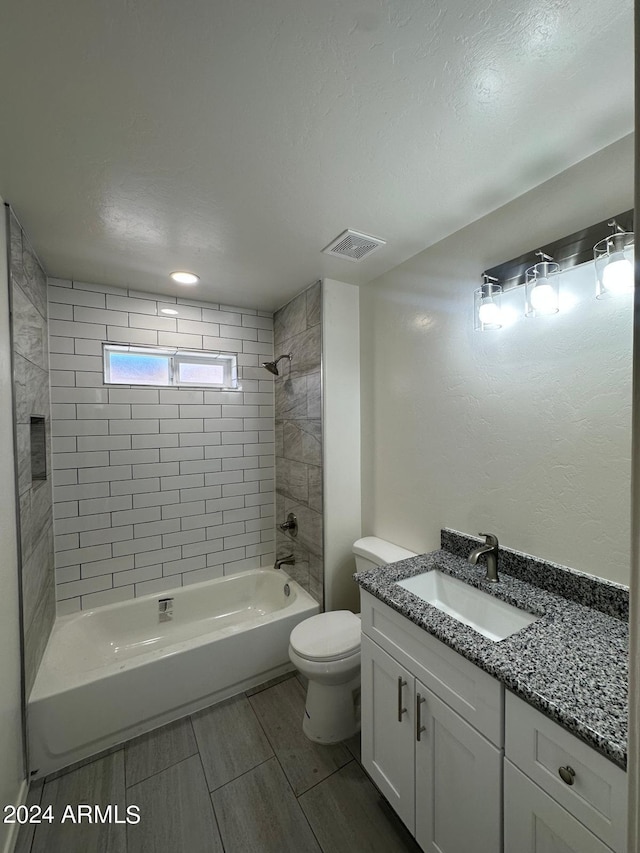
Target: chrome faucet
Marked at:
285, 561
490, 548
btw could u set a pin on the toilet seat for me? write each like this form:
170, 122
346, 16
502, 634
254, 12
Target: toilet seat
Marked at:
327, 636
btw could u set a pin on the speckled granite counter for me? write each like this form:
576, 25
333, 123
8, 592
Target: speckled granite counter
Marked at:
571, 664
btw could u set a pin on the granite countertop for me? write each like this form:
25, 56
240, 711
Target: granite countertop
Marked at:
571, 664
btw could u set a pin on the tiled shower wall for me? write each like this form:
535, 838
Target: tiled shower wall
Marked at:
155, 488
298, 330
31, 398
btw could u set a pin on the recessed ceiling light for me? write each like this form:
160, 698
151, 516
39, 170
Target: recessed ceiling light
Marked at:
183, 277
171, 311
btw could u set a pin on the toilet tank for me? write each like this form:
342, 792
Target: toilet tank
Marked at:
371, 552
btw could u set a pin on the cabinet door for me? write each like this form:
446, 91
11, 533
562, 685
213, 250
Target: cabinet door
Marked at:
535, 823
387, 728
458, 782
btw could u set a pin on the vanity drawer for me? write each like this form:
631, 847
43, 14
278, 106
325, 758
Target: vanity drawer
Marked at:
470, 691
540, 747
535, 823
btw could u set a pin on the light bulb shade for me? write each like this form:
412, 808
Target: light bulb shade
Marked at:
487, 314
541, 289
614, 260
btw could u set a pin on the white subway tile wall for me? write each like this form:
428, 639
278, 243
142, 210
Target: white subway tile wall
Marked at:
156, 488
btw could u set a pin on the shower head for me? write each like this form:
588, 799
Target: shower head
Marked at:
272, 366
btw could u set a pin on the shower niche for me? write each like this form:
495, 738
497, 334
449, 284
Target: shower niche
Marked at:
38, 448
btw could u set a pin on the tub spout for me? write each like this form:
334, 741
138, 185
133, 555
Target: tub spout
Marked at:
285, 561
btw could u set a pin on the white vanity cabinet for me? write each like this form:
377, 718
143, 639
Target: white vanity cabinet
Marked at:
560, 796
431, 734
433, 730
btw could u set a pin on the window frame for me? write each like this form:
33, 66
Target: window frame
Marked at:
175, 356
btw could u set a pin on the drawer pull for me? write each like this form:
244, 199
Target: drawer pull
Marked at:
401, 683
567, 774
419, 727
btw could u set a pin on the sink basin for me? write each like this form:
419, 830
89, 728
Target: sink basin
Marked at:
491, 617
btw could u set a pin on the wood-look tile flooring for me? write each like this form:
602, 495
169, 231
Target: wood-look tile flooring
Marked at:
239, 777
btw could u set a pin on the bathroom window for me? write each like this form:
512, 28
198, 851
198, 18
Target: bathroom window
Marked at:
129, 365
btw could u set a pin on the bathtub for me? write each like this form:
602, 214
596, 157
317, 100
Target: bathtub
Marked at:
113, 673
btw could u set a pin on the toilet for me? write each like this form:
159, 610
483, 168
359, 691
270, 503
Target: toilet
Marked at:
326, 650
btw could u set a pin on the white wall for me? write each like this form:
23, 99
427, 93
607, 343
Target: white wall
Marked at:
12, 783
341, 440
156, 488
522, 432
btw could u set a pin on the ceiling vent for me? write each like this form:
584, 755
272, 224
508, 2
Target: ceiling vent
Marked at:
353, 246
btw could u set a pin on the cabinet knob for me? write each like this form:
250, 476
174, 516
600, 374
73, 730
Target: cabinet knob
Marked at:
567, 774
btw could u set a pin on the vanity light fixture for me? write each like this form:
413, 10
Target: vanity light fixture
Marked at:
614, 262
541, 287
539, 271
487, 314
184, 277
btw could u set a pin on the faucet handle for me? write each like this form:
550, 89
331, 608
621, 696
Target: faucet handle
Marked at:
490, 539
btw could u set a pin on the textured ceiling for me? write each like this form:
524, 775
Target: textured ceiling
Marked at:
238, 138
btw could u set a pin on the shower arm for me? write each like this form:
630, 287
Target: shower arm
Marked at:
287, 355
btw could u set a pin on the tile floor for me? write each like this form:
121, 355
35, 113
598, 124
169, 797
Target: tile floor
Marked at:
239, 777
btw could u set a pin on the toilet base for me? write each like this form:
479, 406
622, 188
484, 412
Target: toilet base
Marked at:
332, 711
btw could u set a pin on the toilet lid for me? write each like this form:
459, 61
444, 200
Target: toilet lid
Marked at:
327, 636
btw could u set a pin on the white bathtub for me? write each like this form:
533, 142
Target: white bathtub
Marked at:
113, 673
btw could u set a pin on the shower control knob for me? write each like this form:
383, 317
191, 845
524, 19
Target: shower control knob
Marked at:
291, 524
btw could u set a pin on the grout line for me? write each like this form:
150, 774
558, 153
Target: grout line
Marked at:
215, 820
244, 773
320, 781
157, 772
255, 714
304, 814
275, 754
213, 808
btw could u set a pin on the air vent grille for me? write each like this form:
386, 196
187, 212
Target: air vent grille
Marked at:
353, 246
